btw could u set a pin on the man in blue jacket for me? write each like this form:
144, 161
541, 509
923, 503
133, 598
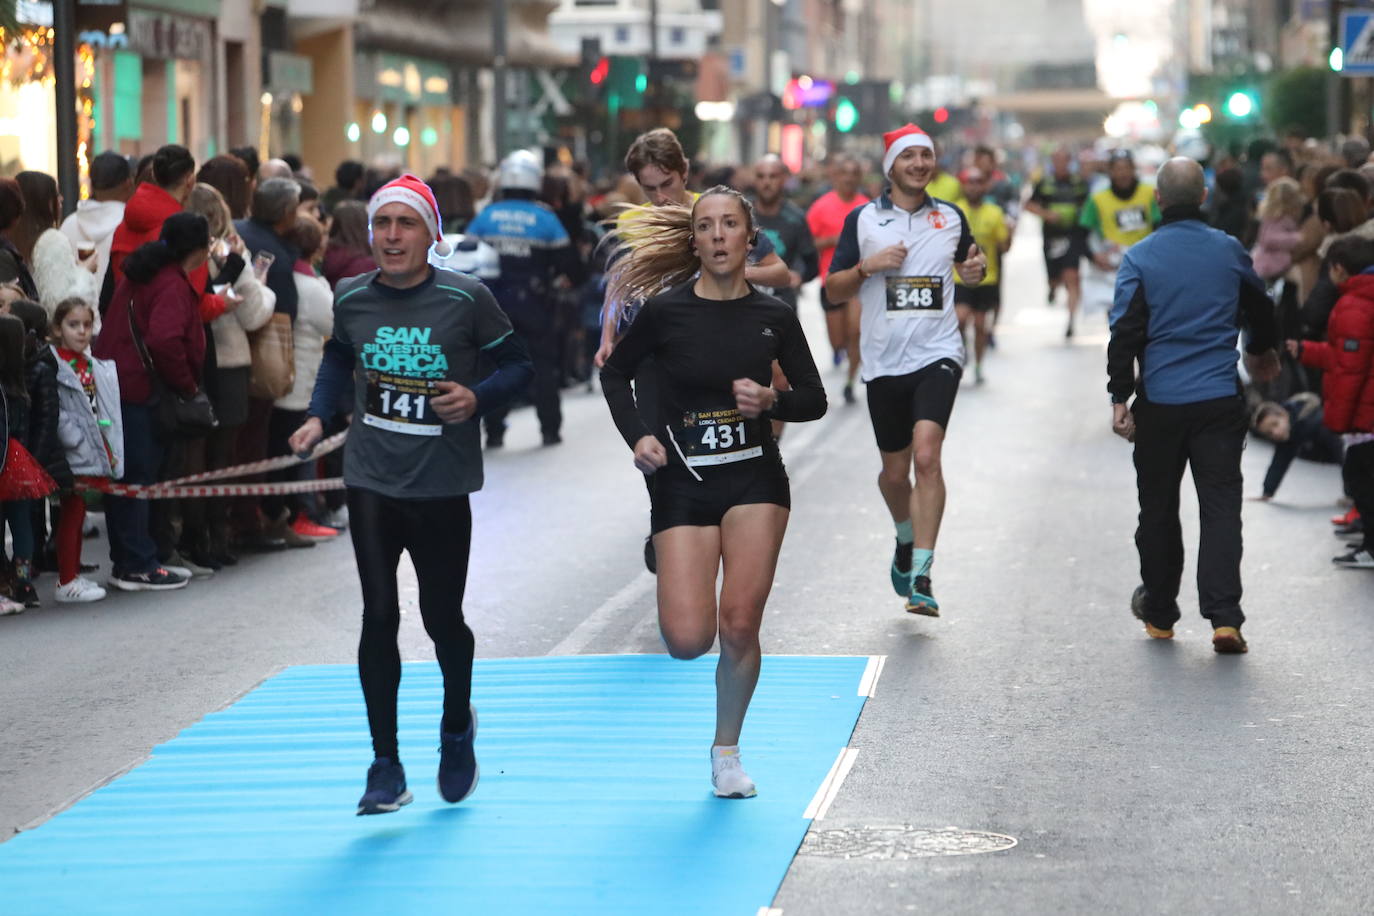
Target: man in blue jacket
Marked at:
1182, 295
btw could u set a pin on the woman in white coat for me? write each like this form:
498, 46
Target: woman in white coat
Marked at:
51, 256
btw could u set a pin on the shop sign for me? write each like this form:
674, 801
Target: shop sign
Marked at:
159, 35
412, 81
290, 72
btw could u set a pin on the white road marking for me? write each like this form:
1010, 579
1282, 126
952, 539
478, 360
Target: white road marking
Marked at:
604, 616
868, 684
830, 786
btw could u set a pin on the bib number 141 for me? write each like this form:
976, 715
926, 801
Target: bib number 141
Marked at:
401, 404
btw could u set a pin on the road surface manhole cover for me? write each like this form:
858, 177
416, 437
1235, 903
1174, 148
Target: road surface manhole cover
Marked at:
901, 842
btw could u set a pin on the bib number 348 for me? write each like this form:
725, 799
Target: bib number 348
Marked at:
915, 297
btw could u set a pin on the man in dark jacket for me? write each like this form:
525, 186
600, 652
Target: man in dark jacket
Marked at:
1179, 296
274, 213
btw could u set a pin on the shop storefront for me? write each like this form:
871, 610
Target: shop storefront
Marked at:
405, 113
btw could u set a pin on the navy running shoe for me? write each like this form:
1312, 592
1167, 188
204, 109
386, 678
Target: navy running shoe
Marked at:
901, 569
458, 770
386, 788
922, 598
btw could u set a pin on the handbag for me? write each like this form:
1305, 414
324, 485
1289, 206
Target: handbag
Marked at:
273, 348
174, 416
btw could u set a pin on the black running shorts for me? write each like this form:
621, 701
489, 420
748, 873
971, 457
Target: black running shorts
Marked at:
1063, 253
897, 402
678, 498
978, 298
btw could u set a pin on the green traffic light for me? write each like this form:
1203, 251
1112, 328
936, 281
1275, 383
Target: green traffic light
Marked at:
1337, 59
846, 115
641, 82
1240, 105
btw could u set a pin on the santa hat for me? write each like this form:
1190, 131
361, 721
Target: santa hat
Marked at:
903, 137
417, 195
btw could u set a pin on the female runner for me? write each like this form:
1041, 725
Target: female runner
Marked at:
719, 490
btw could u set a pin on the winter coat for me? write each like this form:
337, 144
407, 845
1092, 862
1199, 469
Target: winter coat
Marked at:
230, 330
144, 215
1347, 358
43, 441
59, 275
314, 323
166, 309
13, 267
341, 263
259, 236
1273, 251
79, 426
94, 223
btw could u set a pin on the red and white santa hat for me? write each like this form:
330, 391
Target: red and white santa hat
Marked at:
902, 138
417, 195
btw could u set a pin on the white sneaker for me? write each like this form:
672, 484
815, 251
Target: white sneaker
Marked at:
78, 591
727, 774
8, 607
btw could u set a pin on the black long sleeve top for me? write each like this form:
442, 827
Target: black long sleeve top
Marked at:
700, 347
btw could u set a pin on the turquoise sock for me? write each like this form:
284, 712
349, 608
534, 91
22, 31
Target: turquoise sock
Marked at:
921, 561
904, 535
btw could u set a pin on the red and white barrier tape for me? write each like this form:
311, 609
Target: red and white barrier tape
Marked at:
183, 487
161, 491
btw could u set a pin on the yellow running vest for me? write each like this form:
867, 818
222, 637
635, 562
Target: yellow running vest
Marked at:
1125, 222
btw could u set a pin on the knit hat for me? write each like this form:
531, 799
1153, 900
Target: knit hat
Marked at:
903, 137
417, 195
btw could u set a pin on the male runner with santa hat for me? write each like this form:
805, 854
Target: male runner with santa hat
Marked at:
898, 254
413, 339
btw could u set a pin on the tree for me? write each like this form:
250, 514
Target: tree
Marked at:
1297, 98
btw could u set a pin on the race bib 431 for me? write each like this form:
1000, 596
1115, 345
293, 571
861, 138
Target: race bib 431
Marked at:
710, 437
915, 297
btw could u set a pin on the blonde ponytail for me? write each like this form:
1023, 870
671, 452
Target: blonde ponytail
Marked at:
651, 249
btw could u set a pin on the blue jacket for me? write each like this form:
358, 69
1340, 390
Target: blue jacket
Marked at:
1182, 296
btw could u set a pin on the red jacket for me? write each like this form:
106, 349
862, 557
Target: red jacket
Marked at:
144, 215
167, 311
1347, 358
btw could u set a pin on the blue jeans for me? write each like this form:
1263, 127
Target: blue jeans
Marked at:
132, 550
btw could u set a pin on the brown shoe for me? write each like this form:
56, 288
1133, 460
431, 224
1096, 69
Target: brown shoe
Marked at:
1138, 611
1228, 641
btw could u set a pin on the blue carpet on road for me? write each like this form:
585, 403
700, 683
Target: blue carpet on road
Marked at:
594, 798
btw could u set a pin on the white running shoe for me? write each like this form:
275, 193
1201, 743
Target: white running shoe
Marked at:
79, 591
727, 774
8, 607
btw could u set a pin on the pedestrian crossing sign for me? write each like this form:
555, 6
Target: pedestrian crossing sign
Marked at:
1357, 43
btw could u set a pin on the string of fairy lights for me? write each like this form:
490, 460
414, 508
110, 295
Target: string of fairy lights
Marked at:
27, 59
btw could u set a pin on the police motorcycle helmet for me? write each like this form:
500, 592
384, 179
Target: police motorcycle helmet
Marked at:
521, 170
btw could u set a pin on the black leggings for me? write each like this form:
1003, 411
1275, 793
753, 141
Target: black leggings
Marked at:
438, 534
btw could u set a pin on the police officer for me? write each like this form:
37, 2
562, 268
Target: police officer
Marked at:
536, 257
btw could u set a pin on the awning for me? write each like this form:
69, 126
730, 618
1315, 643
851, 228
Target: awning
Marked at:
462, 35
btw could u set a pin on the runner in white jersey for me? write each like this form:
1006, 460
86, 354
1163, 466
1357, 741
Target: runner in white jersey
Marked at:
898, 255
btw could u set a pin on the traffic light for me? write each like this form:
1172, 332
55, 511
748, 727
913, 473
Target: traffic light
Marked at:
600, 71
1241, 104
846, 114
1336, 61
941, 115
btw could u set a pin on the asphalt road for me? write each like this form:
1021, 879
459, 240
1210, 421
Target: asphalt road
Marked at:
1137, 777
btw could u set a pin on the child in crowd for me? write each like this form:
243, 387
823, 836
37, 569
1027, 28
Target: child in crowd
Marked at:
23, 479
90, 428
1280, 216
1295, 427
1346, 358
